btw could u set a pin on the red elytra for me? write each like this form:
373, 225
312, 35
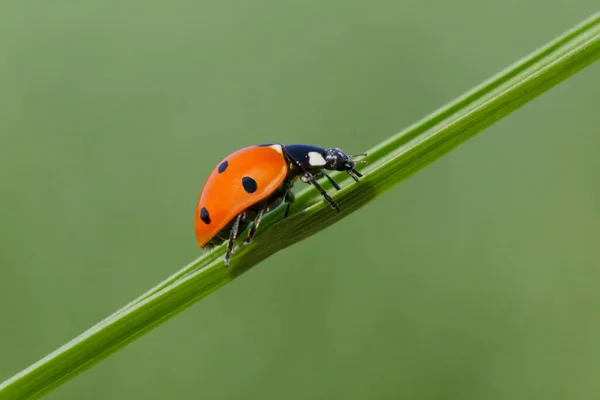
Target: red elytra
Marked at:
255, 180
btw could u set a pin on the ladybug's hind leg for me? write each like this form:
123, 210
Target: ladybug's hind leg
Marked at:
233, 235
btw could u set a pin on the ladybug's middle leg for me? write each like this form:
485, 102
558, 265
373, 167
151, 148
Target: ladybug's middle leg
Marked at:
255, 224
288, 199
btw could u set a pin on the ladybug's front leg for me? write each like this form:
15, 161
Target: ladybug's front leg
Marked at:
307, 177
322, 174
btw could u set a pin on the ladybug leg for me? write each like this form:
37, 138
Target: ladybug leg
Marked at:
354, 174
308, 178
330, 179
254, 226
288, 199
233, 236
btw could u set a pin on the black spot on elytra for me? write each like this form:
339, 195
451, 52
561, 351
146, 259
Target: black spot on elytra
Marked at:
204, 216
264, 145
223, 166
249, 184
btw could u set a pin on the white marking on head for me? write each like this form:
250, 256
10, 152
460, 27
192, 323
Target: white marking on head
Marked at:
316, 159
278, 148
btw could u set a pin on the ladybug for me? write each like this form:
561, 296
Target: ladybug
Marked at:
257, 179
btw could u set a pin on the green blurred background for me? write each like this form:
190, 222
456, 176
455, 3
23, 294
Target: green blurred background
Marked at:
475, 279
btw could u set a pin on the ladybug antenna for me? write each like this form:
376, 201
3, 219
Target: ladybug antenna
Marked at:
353, 157
337, 160
351, 171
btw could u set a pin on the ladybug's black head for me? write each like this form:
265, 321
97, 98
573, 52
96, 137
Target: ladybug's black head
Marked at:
337, 160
